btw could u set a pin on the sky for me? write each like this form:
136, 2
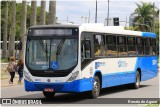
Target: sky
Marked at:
77, 11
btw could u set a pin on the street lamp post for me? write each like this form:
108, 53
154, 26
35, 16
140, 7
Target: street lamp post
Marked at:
96, 13
108, 14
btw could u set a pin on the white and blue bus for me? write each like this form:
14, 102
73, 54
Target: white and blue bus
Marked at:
72, 58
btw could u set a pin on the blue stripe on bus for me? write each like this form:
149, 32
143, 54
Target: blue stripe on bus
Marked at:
148, 34
118, 78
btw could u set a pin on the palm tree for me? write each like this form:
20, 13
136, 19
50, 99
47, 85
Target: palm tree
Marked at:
52, 12
144, 16
43, 12
4, 52
23, 27
13, 30
33, 13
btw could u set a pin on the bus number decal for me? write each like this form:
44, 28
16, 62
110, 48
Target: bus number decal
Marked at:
98, 64
154, 62
122, 63
91, 70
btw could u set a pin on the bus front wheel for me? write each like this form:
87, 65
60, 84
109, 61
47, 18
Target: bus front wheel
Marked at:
96, 88
48, 94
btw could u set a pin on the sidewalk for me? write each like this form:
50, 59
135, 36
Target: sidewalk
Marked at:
5, 76
5, 83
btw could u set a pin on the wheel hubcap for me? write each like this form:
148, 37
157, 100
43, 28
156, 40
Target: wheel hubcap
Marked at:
137, 82
96, 87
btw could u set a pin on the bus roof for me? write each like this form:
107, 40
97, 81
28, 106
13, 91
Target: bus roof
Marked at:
100, 28
56, 25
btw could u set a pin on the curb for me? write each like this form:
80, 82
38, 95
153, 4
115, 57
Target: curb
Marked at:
4, 63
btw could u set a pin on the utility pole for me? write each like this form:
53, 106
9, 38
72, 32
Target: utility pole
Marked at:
126, 22
153, 18
96, 13
108, 14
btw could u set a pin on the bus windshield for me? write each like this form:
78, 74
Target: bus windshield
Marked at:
51, 54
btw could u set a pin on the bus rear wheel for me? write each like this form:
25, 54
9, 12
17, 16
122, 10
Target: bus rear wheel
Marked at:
135, 85
48, 94
96, 88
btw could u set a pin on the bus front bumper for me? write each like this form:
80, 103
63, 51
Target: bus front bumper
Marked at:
74, 86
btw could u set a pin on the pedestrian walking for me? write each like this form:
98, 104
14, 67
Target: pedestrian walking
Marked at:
20, 70
11, 68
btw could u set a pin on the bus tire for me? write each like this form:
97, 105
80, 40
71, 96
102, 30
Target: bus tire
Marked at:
48, 94
136, 85
96, 88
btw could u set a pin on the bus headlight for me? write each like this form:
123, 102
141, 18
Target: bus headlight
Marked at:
74, 76
27, 77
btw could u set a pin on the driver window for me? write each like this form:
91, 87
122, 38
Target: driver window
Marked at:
86, 49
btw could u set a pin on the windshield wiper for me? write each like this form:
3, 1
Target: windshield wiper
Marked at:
46, 52
44, 47
59, 47
42, 44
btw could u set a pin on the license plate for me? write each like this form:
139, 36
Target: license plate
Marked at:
49, 90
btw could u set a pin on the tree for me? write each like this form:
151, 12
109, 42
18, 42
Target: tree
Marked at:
23, 27
33, 13
17, 28
13, 30
4, 52
144, 18
52, 12
43, 12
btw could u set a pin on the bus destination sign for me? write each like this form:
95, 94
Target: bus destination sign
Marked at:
51, 32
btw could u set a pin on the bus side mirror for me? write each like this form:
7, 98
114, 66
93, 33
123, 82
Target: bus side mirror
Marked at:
20, 45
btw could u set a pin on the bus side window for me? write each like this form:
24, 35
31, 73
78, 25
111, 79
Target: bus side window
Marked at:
131, 46
122, 49
111, 46
148, 48
99, 45
153, 45
140, 46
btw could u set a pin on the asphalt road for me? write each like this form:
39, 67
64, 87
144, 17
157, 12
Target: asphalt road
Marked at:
148, 89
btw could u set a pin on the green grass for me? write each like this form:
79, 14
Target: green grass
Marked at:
4, 60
